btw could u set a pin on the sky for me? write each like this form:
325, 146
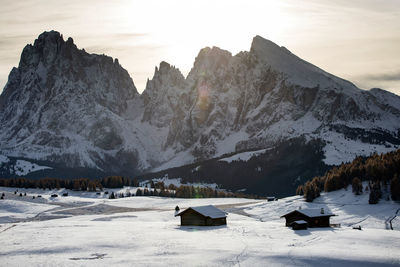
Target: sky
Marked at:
358, 40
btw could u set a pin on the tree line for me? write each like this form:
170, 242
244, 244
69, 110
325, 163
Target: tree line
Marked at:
380, 170
78, 184
96, 185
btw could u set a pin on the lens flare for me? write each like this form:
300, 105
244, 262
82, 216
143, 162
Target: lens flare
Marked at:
203, 99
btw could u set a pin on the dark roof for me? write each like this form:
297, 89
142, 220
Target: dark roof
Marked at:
206, 211
312, 213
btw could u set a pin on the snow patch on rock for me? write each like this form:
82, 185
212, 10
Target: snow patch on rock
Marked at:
244, 156
3, 159
177, 182
23, 167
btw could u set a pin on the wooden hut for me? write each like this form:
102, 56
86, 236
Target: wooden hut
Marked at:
299, 225
313, 217
202, 216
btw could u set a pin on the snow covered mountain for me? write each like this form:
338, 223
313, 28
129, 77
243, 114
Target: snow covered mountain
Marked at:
65, 106
257, 98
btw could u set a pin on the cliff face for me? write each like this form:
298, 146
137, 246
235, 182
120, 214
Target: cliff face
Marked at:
77, 109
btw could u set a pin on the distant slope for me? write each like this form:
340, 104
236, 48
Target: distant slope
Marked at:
381, 171
270, 172
351, 210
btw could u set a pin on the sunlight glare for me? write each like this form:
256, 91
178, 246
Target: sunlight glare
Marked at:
189, 26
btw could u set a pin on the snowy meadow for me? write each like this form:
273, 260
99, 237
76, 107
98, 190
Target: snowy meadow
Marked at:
86, 229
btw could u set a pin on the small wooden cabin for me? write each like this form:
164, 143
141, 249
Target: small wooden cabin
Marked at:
313, 217
299, 225
202, 216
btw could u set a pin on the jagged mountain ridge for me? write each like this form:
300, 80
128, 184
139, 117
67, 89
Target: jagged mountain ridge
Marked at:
64, 105
252, 100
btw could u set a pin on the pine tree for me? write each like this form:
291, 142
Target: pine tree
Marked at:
309, 193
356, 186
77, 185
299, 190
163, 193
135, 182
139, 192
172, 187
375, 193
155, 192
395, 187
146, 192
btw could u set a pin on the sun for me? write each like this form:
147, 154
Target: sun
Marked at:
188, 26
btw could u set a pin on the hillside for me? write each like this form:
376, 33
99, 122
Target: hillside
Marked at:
381, 171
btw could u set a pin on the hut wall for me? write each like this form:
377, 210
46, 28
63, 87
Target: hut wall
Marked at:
192, 218
215, 222
295, 217
296, 226
312, 222
319, 222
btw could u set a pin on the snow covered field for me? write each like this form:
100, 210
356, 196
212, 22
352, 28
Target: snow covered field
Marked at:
85, 229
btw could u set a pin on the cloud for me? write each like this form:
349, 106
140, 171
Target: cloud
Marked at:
392, 77
11, 41
130, 35
125, 48
23, 20
389, 81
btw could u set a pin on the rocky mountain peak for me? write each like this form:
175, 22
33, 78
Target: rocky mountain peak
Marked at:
61, 97
49, 37
51, 59
295, 70
276, 56
165, 73
52, 39
162, 94
210, 60
260, 44
165, 67
46, 49
165, 76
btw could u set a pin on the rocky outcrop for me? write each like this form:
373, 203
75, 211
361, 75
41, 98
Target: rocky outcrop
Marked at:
163, 97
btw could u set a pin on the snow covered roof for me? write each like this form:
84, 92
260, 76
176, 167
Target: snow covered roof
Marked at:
315, 212
312, 213
300, 222
207, 211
